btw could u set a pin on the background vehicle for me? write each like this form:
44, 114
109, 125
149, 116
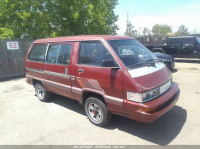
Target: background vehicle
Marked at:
180, 46
166, 59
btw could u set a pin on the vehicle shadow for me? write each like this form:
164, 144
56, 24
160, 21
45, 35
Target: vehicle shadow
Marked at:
188, 60
161, 132
67, 103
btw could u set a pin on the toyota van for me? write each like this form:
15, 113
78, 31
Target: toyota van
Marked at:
106, 74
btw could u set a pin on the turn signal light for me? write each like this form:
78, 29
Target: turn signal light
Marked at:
147, 110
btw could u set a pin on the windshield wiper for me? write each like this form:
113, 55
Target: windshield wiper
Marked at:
153, 59
141, 64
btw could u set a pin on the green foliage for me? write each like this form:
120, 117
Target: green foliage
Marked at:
182, 31
130, 30
161, 30
50, 18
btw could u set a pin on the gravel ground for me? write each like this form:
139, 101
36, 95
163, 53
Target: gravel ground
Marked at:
26, 120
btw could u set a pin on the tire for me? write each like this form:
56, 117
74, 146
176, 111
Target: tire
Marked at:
97, 111
41, 92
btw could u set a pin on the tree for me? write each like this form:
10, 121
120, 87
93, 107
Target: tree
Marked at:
146, 31
50, 18
130, 30
182, 31
161, 29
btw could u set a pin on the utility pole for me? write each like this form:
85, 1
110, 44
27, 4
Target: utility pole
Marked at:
127, 24
139, 30
195, 30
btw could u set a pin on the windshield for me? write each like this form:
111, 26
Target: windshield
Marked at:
131, 52
198, 39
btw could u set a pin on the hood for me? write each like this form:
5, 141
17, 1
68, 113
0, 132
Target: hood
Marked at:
149, 77
162, 55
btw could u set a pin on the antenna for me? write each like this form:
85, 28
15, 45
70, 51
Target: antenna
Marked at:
127, 24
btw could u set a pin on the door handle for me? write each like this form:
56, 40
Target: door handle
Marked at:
80, 70
66, 71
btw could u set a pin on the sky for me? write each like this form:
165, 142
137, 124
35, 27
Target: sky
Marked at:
146, 13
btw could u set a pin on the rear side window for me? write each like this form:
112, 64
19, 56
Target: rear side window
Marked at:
59, 54
52, 54
93, 53
177, 41
64, 54
170, 41
38, 53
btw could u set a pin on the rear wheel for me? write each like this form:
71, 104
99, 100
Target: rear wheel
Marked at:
97, 111
41, 92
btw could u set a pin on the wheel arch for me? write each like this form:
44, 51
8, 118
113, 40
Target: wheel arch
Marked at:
86, 94
34, 81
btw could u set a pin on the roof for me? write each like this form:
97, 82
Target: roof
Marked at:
82, 38
183, 37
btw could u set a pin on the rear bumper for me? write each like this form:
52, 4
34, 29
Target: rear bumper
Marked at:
27, 80
161, 105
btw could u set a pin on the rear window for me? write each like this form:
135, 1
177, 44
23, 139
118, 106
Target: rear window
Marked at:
38, 53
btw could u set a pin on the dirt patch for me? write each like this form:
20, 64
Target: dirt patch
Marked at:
6, 91
16, 88
193, 68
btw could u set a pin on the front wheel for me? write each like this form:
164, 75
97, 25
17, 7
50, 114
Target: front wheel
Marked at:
41, 92
97, 111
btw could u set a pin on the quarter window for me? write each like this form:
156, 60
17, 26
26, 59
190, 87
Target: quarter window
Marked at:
93, 53
38, 53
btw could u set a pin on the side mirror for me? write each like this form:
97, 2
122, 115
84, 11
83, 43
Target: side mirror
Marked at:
110, 63
195, 43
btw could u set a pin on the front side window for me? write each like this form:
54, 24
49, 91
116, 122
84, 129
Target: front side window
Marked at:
131, 52
188, 40
59, 54
93, 53
38, 53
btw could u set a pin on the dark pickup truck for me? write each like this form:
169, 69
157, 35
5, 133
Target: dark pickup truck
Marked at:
181, 46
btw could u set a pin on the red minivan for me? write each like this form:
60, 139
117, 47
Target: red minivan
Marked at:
106, 74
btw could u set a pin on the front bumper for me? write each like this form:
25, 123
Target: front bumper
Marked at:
161, 105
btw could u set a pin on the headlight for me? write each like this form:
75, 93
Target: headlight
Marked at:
143, 97
137, 97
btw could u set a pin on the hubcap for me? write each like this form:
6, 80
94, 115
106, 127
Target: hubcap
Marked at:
40, 91
95, 112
